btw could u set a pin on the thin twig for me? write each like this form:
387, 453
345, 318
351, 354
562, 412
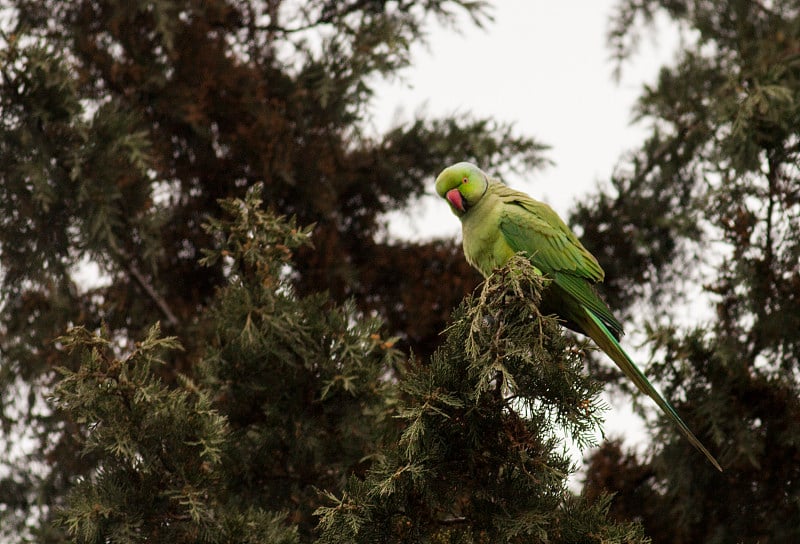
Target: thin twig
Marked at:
145, 284
150, 290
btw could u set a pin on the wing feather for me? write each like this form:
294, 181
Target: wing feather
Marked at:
535, 229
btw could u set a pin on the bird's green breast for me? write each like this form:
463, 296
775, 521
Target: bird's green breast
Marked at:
485, 247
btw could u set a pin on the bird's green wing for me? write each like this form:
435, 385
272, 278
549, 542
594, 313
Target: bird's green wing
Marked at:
535, 229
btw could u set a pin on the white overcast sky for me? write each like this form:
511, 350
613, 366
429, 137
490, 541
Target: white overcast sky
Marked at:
546, 67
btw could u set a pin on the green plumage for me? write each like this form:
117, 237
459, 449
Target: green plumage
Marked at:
499, 222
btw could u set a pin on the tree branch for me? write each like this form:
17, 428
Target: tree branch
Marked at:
329, 15
151, 292
145, 284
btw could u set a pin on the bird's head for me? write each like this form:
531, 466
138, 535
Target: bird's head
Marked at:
462, 185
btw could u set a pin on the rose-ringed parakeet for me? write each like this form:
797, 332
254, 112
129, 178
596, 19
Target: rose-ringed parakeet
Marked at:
498, 222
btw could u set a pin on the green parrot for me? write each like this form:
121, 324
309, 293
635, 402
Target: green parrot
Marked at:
498, 222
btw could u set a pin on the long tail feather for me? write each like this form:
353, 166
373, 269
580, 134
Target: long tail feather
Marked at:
598, 332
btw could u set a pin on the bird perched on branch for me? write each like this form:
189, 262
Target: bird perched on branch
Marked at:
499, 222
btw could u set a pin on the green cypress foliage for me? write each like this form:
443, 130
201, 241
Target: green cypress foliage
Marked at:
301, 381
159, 452
138, 138
710, 202
303, 415
122, 126
481, 456
285, 403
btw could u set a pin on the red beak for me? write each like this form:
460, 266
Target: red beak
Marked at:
455, 198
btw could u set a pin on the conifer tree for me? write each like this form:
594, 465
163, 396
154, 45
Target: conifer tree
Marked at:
711, 199
481, 457
296, 402
122, 125
271, 389
286, 402
160, 456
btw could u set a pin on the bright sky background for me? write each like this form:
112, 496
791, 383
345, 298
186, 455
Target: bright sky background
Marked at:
546, 67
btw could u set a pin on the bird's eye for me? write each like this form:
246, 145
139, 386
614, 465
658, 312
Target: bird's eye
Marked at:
465, 180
